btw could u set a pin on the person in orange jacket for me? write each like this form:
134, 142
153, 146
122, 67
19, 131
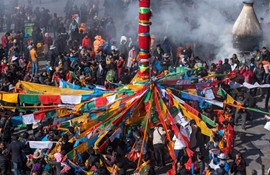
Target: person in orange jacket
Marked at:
82, 28
98, 41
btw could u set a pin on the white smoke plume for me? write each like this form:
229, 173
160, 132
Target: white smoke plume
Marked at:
214, 20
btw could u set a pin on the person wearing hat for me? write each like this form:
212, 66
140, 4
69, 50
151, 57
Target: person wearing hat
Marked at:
222, 161
37, 154
38, 131
51, 56
16, 147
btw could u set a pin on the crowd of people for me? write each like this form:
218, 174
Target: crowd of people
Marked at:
84, 49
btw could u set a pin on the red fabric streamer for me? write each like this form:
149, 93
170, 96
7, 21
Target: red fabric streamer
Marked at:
40, 115
50, 99
101, 101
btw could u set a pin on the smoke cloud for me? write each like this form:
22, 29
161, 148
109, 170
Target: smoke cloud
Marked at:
207, 23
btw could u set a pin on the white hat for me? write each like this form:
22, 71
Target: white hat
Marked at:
14, 58
52, 47
82, 77
222, 156
37, 154
35, 125
11, 87
166, 55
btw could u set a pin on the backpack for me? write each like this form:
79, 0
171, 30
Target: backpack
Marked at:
110, 76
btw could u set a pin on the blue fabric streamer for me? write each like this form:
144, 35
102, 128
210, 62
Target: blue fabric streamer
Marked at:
191, 97
16, 120
45, 138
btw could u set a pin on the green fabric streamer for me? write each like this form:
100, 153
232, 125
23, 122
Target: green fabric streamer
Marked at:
147, 97
208, 120
65, 124
173, 111
102, 126
50, 114
257, 110
89, 106
22, 126
221, 92
27, 109
29, 99
182, 70
70, 155
104, 116
33, 92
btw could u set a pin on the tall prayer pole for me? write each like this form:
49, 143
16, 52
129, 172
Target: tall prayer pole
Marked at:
144, 39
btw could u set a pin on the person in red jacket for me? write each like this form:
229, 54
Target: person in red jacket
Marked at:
4, 40
86, 42
247, 73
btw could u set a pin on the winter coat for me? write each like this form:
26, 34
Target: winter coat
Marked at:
48, 41
86, 42
51, 56
131, 55
181, 171
247, 75
4, 40
226, 67
200, 166
259, 74
166, 47
241, 167
158, 53
120, 68
123, 50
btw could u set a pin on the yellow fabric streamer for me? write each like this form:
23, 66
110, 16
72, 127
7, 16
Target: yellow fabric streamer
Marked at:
204, 129
80, 119
190, 115
9, 97
100, 138
61, 112
229, 99
82, 148
192, 91
115, 106
50, 89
